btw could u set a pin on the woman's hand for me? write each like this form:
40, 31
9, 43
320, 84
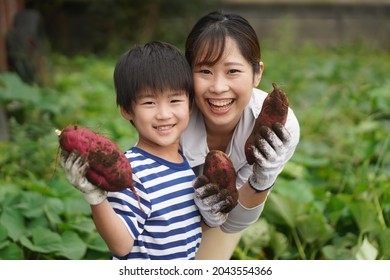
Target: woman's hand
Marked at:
214, 203
270, 155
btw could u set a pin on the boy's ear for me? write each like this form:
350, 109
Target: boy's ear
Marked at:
125, 114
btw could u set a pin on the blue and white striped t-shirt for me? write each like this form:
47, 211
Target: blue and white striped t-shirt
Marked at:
169, 227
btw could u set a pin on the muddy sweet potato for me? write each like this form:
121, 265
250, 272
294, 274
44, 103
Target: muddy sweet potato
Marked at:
219, 169
109, 168
274, 110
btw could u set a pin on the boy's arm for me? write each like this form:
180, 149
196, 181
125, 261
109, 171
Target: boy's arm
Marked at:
112, 229
107, 222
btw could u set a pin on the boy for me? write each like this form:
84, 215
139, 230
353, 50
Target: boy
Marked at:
154, 91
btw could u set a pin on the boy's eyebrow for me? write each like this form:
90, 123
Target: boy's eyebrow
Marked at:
152, 94
146, 94
176, 93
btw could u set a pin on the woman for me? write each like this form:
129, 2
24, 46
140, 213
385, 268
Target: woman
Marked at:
224, 53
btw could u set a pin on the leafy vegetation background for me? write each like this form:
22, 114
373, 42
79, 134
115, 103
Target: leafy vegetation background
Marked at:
332, 200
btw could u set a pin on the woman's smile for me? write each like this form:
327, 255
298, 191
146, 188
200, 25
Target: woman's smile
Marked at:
220, 105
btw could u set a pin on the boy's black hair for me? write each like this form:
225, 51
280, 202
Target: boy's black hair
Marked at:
155, 66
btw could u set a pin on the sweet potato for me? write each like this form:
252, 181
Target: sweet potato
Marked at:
219, 169
274, 110
109, 168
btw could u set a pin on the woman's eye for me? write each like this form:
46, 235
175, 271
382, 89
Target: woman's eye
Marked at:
204, 71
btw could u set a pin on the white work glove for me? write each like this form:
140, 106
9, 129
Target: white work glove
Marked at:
270, 155
213, 203
75, 169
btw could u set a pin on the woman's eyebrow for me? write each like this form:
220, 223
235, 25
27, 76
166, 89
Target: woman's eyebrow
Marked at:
233, 63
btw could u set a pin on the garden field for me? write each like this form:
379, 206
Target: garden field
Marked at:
332, 200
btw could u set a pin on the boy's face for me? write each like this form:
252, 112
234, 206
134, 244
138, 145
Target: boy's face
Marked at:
160, 118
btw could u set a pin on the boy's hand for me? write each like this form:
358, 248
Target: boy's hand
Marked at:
75, 169
212, 201
269, 152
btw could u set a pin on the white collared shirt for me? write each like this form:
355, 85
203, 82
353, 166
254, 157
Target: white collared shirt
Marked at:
194, 140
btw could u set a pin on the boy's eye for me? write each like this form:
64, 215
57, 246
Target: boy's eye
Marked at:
233, 71
146, 102
177, 100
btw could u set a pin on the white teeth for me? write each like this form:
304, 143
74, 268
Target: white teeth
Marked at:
165, 127
220, 102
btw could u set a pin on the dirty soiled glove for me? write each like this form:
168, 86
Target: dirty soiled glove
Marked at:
213, 202
75, 169
270, 152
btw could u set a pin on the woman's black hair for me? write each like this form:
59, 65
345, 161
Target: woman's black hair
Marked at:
206, 42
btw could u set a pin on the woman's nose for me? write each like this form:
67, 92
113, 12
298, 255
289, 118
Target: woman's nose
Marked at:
219, 85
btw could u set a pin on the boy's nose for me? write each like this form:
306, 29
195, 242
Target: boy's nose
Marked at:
164, 112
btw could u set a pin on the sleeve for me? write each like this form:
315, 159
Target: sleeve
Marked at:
125, 205
241, 217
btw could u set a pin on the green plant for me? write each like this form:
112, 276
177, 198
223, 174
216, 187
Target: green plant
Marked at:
332, 200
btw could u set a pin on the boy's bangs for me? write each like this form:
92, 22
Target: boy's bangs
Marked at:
163, 76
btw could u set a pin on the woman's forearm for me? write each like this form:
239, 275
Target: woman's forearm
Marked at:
249, 198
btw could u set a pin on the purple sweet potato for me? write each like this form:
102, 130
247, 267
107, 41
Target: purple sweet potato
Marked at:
219, 169
274, 110
109, 168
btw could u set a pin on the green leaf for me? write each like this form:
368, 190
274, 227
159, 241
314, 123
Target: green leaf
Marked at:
366, 251
298, 190
314, 228
31, 205
82, 225
257, 235
365, 215
73, 247
282, 210
46, 239
29, 245
96, 242
53, 209
336, 208
11, 252
13, 221
384, 244
295, 170
43, 241
4, 244
77, 205
332, 252
3, 233
380, 99
278, 243
13, 88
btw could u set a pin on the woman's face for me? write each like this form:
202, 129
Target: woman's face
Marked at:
223, 90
